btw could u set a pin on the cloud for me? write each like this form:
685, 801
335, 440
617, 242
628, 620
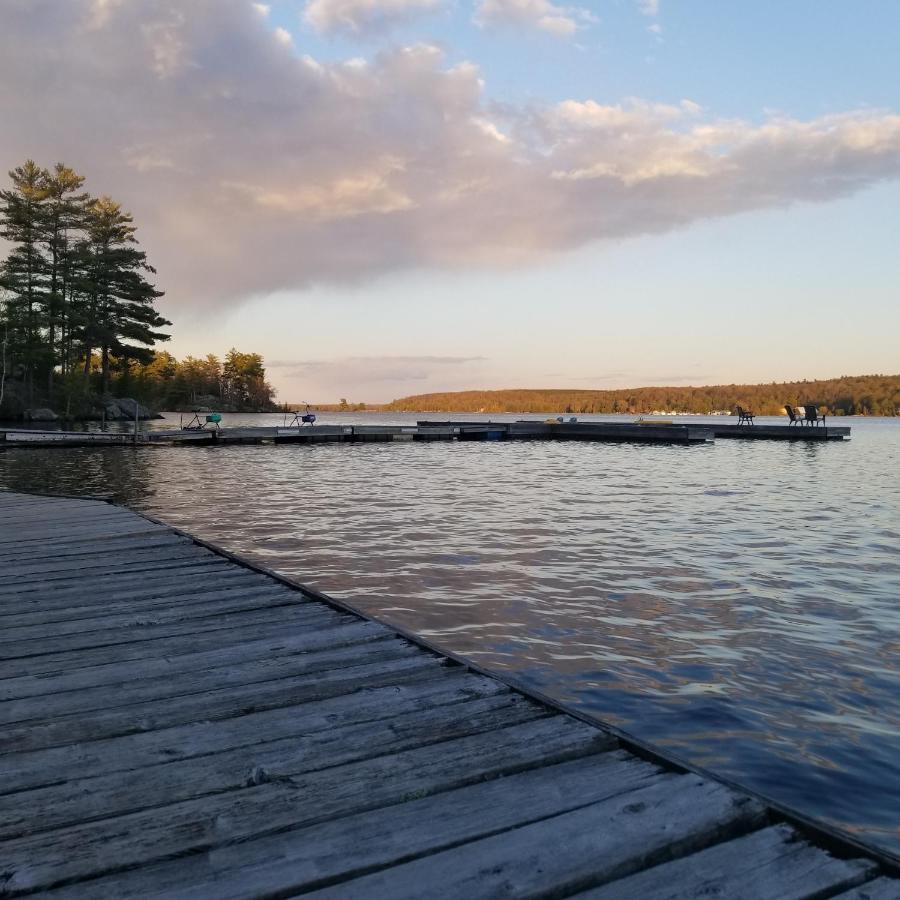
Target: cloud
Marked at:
561, 21
649, 7
252, 169
283, 36
338, 373
360, 17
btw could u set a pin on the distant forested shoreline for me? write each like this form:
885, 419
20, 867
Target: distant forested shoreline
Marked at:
871, 395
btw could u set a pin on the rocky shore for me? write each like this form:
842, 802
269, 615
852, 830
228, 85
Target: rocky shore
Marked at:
111, 409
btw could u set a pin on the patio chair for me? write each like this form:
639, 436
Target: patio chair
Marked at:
744, 416
795, 414
811, 416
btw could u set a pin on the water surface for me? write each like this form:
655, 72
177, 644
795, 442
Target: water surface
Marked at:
735, 604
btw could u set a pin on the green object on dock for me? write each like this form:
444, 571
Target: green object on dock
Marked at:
214, 418
178, 721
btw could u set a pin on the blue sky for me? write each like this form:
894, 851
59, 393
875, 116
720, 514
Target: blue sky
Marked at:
490, 193
804, 57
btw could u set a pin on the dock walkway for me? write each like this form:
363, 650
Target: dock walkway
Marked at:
615, 432
177, 723
354, 434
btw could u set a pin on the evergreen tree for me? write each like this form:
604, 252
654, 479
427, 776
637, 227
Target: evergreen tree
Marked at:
24, 271
64, 216
244, 382
115, 312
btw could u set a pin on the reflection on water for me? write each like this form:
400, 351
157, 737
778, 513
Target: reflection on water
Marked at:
736, 603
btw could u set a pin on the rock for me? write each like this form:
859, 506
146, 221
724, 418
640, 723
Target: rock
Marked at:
122, 408
40, 415
112, 412
128, 406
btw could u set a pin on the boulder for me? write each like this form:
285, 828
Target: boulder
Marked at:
122, 409
128, 406
40, 415
111, 411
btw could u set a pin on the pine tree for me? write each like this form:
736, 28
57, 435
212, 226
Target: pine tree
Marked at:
63, 218
244, 384
24, 271
115, 312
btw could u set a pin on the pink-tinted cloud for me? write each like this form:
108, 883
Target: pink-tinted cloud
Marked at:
362, 17
560, 21
251, 168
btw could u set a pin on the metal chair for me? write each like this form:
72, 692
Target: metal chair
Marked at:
795, 414
744, 416
811, 416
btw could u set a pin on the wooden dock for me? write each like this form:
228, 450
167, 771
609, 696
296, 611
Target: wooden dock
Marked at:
761, 432
626, 430
175, 722
619, 432
445, 431
350, 434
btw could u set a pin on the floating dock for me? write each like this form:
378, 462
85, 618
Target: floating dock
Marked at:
319, 434
630, 432
607, 430
33, 437
176, 722
448, 431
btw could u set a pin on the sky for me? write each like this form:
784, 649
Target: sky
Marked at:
391, 197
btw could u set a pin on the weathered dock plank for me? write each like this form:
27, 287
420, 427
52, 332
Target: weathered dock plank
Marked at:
304, 858
229, 770
160, 647
599, 842
194, 681
175, 724
186, 605
34, 645
773, 862
127, 586
331, 637
73, 550
880, 889
218, 703
182, 742
106, 573
119, 842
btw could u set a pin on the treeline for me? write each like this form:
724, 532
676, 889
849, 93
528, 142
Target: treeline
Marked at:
236, 383
876, 395
77, 308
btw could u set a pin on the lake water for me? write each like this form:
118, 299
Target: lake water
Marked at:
737, 604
